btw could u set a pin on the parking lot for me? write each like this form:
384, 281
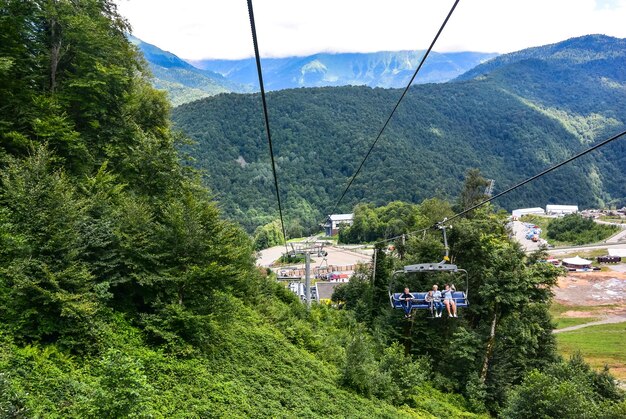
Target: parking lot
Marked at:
519, 232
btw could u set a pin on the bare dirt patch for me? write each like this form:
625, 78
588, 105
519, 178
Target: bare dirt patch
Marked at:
592, 289
601, 298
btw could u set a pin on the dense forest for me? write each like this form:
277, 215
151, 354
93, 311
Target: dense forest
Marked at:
125, 293
510, 123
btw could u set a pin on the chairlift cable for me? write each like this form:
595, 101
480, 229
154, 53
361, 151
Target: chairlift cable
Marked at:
512, 188
393, 111
537, 176
267, 120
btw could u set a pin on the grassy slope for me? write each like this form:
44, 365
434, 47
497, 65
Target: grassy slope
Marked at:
599, 345
594, 313
249, 369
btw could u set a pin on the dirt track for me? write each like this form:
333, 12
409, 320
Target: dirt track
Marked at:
611, 319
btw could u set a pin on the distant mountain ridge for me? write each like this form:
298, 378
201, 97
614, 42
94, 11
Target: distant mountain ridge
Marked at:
580, 50
389, 69
189, 81
182, 81
510, 117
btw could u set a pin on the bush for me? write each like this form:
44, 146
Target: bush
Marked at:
576, 229
566, 390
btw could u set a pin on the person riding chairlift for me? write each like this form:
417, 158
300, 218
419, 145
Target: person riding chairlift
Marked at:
406, 300
434, 298
449, 301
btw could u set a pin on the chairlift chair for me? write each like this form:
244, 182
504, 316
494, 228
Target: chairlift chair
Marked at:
419, 302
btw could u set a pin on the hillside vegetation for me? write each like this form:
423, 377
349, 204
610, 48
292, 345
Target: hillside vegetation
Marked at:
124, 293
572, 229
510, 123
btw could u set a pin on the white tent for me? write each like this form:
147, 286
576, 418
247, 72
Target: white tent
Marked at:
577, 261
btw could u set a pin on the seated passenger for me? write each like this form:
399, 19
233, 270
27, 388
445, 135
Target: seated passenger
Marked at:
435, 300
449, 301
406, 300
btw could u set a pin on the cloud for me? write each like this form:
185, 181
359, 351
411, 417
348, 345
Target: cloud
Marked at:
198, 29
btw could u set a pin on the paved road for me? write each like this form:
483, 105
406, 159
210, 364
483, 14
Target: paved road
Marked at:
268, 256
336, 256
570, 249
621, 267
619, 237
621, 225
621, 318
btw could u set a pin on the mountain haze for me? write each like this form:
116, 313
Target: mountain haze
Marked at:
378, 69
511, 123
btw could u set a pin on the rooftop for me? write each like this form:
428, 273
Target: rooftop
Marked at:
341, 217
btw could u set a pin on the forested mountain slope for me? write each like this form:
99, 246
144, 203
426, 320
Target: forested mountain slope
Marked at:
182, 81
580, 50
510, 123
376, 69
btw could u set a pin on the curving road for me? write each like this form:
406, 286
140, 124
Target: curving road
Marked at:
619, 318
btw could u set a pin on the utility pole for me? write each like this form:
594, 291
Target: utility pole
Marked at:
374, 268
307, 278
307, 251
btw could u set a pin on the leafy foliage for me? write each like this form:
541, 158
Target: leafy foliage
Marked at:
268, 235
576, 229
503, 335
123, 293
566, 390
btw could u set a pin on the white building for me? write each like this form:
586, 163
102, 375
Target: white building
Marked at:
525, 211
561, 209
331, 227
618, 252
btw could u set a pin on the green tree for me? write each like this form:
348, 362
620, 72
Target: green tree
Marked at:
566, 390
50, 292
576, 229
268, 235
473, 190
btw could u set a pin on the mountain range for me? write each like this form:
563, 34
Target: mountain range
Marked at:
188, 81
510, 117
389, 69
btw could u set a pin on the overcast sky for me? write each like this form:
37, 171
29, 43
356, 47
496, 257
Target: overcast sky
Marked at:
196, 29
